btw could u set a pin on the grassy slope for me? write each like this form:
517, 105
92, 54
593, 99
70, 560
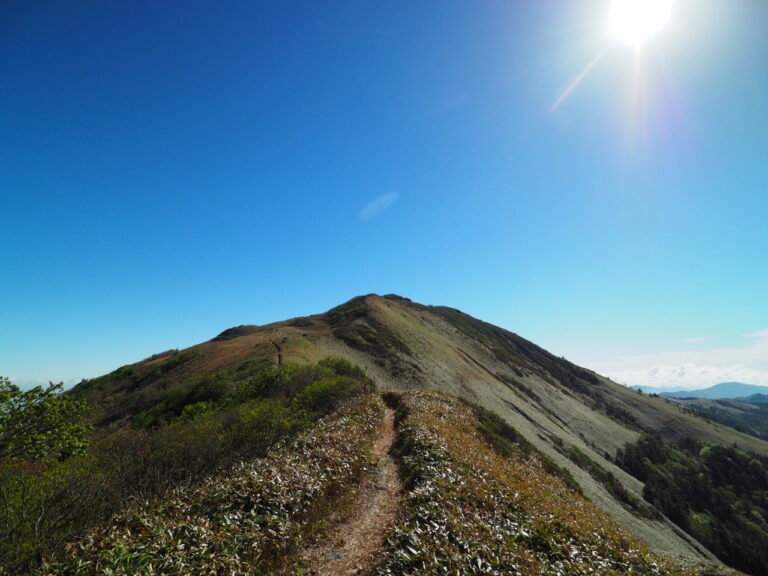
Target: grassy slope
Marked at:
470, 510
476, 501
250, 520
745, 416
553, 404
559, 407
136, 387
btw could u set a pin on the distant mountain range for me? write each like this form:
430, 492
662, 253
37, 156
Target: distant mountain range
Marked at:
749, 415
756, 399
658, 389
724, 390
746, 392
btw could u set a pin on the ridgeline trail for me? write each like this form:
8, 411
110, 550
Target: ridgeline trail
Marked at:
350, 545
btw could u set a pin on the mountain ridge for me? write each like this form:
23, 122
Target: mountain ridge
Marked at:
733, 390
576, 418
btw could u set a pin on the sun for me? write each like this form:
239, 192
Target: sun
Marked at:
635, 21
631, 22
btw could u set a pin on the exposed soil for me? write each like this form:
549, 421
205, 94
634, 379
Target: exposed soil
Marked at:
279, 353
354, 537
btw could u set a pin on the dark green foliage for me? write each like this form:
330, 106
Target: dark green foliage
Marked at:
323, 396
198, 429
748, 417
40, 424
348, 312
250, 519
608, 480
342, 367
279, 381
132, 389
302, 322
148, 371
39, 428
355, 324
394, 400
194, 411
33, 514
716, 493
618, 413
209, 389
516, 385
257, 378
260, 424
290, 379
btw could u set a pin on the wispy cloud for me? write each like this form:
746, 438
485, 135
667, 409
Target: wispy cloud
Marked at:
29, 383
378, 205
690, 376
696, 368
759, 335
695, 339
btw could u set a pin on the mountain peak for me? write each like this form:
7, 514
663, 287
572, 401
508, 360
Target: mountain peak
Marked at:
574, 418
722, 390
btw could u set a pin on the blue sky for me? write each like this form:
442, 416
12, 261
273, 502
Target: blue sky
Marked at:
170, 169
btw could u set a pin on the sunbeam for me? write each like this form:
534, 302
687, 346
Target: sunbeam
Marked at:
578, 80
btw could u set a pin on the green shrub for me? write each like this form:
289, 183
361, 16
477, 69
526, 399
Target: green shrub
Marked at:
323, 396
43, 506
261, 424
40, 424
194, 411
275, 381
211, 389
23, 492
342, 367
287, 380
191, 432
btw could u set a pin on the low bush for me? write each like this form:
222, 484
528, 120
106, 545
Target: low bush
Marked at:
475, 507
195, 432
323, 396
507, 441
248, 520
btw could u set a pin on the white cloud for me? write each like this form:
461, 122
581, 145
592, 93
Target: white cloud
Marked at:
689, 376
378, 205
759, 335
693, 369
695, 339
29, 383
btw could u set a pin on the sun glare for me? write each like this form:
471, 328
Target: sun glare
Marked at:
634, 21
631, 22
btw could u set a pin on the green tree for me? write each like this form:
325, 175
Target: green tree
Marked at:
40, 424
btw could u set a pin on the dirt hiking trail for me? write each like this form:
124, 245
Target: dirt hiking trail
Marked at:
350, 545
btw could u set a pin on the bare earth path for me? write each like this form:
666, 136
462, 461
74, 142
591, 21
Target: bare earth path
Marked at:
350, 546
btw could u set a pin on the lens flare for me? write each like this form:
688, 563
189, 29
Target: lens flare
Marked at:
634, 21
